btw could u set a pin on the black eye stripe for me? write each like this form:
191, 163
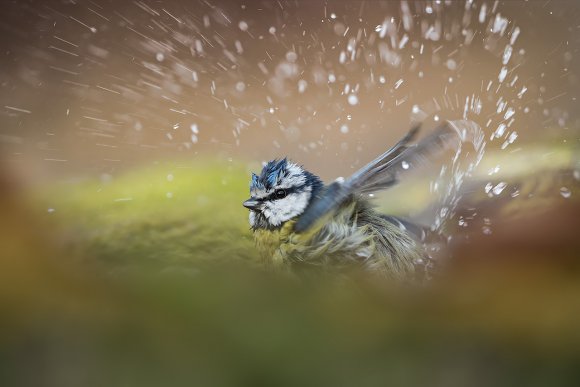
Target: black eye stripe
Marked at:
289, 191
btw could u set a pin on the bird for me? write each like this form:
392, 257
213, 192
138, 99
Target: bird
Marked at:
299, 223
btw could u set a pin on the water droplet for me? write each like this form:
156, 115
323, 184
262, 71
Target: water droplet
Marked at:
494, 170
344, 129
291, 56
352, 99
405, 165
302, 86
243, 25
515, 35
502, 74
488, 188
507, 53
565, 192
170, 177
499, 24
499, 131
499, 188
451, 64
509, 113
240, 86
482, 13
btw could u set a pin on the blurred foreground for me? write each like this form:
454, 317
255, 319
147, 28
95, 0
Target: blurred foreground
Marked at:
150, 280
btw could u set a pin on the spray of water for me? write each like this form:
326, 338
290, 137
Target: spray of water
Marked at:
146, 79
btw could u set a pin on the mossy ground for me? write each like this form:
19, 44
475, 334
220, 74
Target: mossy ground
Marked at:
157, 217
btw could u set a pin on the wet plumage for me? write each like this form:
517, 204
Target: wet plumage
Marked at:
298, 222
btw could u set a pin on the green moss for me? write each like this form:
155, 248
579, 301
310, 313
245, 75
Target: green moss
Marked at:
159, 216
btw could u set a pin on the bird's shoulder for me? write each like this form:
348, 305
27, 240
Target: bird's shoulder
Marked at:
337, 231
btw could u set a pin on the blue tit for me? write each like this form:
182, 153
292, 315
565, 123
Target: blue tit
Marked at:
299, 222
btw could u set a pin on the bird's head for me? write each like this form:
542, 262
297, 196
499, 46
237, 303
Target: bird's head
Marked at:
281, 192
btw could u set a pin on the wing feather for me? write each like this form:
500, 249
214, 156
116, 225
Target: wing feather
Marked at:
385, 171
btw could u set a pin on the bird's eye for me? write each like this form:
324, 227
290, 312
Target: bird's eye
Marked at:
280, 193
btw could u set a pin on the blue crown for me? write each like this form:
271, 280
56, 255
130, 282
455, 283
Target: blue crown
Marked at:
270, 174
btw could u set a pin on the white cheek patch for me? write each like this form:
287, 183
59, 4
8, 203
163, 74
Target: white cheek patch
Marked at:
282, 210
252, 218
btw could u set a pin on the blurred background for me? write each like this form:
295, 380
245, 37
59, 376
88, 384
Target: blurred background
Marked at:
128, 131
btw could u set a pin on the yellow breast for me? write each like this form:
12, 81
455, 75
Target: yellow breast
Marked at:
273, 245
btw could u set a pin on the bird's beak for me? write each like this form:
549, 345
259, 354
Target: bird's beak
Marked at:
251, 204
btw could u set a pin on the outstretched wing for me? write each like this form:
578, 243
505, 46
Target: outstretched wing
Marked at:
385, 171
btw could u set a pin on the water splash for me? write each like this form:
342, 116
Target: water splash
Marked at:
447, 187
